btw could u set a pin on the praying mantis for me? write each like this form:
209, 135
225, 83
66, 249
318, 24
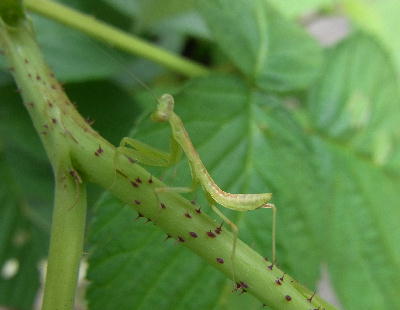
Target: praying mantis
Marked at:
180, 141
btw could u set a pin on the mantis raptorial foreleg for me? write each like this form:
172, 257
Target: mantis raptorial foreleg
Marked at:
181, 141
138, 151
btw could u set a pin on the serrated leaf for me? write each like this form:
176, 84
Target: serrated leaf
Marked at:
249, 143
134, 264
353, 106
274, 52
357, 102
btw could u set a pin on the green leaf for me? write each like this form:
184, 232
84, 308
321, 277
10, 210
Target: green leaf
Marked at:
24, 151
132, 8
355, 111
150, 12
95, 99
25, 154
379, 18
356, 101
295, 8
21, 246
165, 18
133, 263
274, 52
153, 11
74, 56
250, 144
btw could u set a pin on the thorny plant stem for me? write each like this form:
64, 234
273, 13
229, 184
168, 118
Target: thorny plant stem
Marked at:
66, 242
79, 154
115, 37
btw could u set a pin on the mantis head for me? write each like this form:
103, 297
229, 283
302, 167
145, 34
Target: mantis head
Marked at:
165, 108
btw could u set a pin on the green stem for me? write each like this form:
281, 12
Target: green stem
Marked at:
72, 145
115, 37
66, 242
68, 225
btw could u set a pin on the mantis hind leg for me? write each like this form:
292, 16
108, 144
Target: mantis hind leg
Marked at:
235, 231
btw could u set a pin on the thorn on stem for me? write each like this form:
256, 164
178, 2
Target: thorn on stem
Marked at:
311, 297
132, 161
193, 234
99, 151
241, 286
211, 234
134, 184
220, 260
218, 230
76, 176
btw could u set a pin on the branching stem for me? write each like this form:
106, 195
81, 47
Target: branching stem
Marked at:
79, 154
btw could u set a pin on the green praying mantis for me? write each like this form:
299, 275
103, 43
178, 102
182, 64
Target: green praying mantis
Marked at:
148, 155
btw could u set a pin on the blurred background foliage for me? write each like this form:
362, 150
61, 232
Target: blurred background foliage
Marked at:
303, 101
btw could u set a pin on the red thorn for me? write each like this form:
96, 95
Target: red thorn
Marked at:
193, 234
134, 184
211, 234
220, 260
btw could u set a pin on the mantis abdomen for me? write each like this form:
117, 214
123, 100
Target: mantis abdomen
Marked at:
237, 202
